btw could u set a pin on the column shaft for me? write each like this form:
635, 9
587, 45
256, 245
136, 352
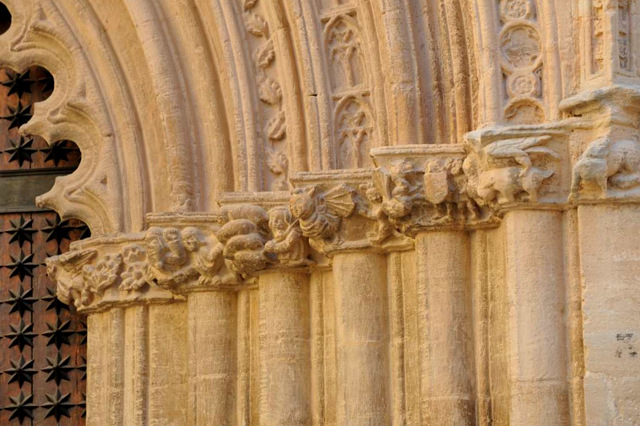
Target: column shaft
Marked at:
446, 333
212, 357
536, 337
285, 346
362, 339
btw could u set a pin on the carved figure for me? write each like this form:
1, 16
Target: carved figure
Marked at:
243, 241
606, 163
374, 210
503, 170
399, 188
167, 257
320, 214
206, 253
518, 150
459, 195
67, 270
287, 244
507, 182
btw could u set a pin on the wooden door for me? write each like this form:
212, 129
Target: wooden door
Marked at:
42, 341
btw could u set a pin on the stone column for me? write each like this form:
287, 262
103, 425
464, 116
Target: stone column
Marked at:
212, 326
446, 333
285, 348
123, 342
536, 323
362, 338
610, 271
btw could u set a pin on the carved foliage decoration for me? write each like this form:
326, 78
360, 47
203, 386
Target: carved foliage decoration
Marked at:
521, 54
270, 94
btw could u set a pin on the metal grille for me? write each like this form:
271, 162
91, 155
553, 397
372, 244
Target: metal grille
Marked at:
42, 341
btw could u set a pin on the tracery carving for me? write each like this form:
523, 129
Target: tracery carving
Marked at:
352, 118
345, 54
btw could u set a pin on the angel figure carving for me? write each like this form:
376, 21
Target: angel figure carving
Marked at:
287, 244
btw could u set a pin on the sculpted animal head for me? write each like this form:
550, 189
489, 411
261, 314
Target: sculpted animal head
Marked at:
303, 202
598, 149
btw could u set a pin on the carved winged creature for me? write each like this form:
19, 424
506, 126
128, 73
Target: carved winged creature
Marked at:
319, 214
396, 189
67, 271
519, 150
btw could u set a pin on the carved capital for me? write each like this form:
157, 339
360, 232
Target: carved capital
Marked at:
607, 152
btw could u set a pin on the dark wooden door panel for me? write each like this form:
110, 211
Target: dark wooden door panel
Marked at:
42, 341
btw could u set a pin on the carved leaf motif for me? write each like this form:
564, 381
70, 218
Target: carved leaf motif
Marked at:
249, 4
256, 24
265, 54
277, 162
269, 90
277, 127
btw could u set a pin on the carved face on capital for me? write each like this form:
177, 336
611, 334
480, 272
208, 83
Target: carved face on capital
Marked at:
279, 219
302, 204
192, 238
171, 235
153, 238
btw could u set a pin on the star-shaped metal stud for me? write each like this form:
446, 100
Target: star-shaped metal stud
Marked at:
57, 152
21, 371
58, 405
21, 231
57, 230
83, 404
58, 333
21, 407
18, 83
21, 300
21, 150
18, 115
21, 335
82, 332
58, 368
54, 303
22, 266
83, 368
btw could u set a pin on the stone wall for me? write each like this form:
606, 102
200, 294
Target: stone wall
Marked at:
348, 211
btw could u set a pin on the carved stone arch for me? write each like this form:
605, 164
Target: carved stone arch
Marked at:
39, 36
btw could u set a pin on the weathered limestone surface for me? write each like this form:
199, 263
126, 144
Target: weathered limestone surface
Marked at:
348, 212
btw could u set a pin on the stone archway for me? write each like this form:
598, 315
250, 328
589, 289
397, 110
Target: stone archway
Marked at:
240, 274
